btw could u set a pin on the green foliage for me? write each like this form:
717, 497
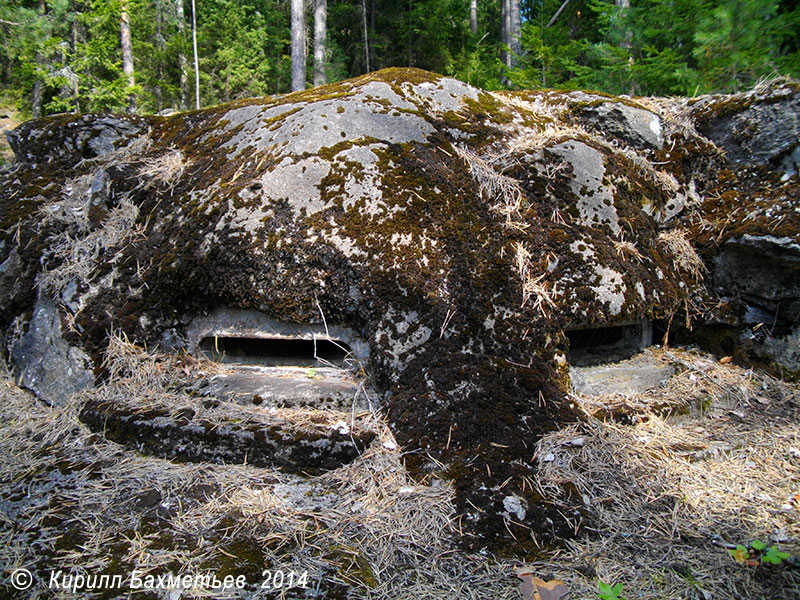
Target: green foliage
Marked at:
664, 47
242, 45
774, 556
736, 43
608, 592
64, 55
758, 552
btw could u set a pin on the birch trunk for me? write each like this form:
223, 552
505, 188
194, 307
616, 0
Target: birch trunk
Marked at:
320, 33
184, 84
196, 63
366, 34
127, 51
298, 45
473, 16
515, 31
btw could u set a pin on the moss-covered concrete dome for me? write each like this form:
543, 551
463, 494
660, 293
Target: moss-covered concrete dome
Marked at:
456, 235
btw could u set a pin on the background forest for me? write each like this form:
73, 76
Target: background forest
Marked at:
67, 55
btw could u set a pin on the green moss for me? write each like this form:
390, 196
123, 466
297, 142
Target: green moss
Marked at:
241, 556
487, 107
352, 566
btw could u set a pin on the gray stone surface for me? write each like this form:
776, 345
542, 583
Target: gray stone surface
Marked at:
87, 136
286, 387
764, 271
595, 198
45, 363
626, 378
784, 350
759, 133
638, 127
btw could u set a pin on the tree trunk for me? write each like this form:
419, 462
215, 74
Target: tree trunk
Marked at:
473, 16
320, 32
127, 51
158, 91
505, 28
626, 34
36, 108
298, 45
510, 32
366, 34
515, 31
38, 85
73, 51
184, 99
410, 40
196, 62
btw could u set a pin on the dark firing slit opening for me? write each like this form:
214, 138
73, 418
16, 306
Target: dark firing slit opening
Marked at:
607, 344
276, 352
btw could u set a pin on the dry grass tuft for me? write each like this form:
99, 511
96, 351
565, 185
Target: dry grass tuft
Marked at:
551, 134
505, 191
626, 249
538, 105
686, 258
165, 170
668, 495
532, 287
77, 249
128, 153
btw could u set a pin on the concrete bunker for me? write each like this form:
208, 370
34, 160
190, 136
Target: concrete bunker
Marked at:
250, 338
608, 343
270, 363
277, 351
275, 369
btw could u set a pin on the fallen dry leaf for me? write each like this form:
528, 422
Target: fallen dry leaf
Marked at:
740, 555
533, 588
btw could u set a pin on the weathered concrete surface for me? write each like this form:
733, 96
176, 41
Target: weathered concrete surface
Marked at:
44, 362
321, 387
626, 379
275, 440
458, 233
636, 126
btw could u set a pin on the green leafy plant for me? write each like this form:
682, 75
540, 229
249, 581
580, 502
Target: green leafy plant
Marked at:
758, 552
609, 592
774, 556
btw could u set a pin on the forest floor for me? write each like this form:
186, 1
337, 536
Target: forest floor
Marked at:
9, 119
680, 487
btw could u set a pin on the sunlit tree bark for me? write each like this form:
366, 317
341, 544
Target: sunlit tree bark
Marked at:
127, 51
196, 62
473, 16
298, 45
184, 98
320, 34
